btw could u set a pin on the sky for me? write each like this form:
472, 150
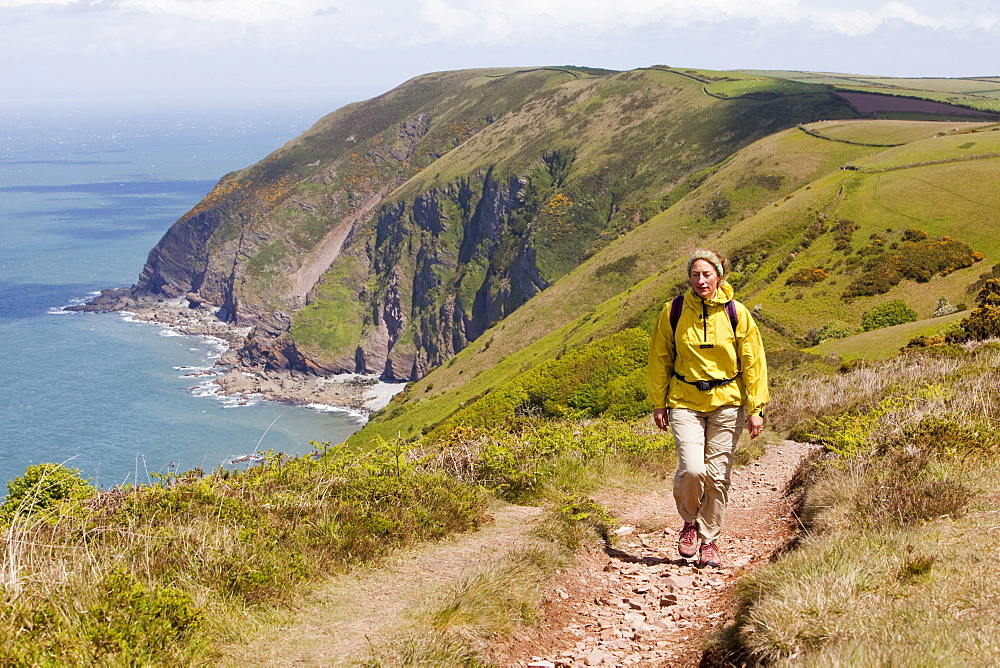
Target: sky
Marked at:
66, 52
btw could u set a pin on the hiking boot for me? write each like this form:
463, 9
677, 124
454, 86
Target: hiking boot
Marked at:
687, 544
709, 555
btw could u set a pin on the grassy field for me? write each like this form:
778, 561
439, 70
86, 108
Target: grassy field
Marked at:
886, 342
871, 131
983, 140
977, 93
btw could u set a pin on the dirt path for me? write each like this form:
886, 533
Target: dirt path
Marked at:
640, 604
643, 605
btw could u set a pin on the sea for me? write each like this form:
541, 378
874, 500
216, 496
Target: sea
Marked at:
84, 195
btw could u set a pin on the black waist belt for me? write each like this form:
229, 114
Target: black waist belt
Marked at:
706, 385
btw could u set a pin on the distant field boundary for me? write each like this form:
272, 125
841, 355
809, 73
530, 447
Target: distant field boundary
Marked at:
574, 74
928, 163
813, 133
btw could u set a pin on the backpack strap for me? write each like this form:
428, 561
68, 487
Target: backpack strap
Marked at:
675, 312
731, 311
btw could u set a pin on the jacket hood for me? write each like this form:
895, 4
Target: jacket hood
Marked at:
723, 294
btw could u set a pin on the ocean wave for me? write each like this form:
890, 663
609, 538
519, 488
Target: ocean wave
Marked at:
240, 400
326, 408
255, 458
73, 301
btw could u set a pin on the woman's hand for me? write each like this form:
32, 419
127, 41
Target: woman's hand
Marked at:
755, 425
661, 418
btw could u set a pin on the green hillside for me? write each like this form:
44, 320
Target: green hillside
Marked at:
774, 237
506, 239
468, 226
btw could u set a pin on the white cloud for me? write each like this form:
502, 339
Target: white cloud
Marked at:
226, 41
286, 23
476, 20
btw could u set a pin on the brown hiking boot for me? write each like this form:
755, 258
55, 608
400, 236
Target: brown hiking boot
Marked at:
687, 544
709, 555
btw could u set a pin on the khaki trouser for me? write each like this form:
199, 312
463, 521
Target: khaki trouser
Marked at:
705, 445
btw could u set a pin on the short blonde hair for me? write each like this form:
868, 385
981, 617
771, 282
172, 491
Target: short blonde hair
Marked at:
713, 257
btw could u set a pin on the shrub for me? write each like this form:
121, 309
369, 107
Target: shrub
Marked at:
833, 330
944, 307
848, 434
984, 321
895, 312
746, 260
119, 621
43, 487
717, 207
842, 232
916, 260
807, 276
604, 376
133, 619
904, 491
517, 458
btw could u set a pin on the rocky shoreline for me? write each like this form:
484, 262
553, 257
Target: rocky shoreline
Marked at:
353, 392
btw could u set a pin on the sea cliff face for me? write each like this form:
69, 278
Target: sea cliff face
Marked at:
398, 230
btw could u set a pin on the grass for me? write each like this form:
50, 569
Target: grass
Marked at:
984, 141
759, 86
977, 93
491, 602
895, 525
886, 342
333, 322
160, 573
151, 574
887, 132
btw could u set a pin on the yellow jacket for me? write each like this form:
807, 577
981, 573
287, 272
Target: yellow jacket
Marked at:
706, 350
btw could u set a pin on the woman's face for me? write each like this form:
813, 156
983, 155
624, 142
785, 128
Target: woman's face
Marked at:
704, 279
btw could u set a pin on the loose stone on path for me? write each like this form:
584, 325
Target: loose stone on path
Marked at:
641, 604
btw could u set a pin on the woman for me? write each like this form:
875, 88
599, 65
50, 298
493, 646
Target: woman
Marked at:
706, 376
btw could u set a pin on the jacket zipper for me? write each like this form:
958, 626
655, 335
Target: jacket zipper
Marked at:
704, 320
